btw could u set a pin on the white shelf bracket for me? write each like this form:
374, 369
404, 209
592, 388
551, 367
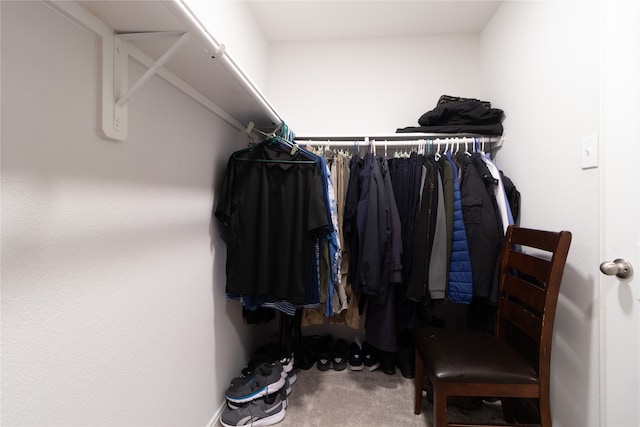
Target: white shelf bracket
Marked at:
113, 65
117, 127
184, 37
114, 123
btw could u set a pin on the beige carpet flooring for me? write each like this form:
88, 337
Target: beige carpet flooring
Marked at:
363, 399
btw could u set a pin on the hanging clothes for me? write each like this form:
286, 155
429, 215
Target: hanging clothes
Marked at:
460, 284
339, 236
446, 209
379, 229
342, 297
482, 225
448, 201
423, 239
501, 197
380, 322
437, 276
513, 196
350, 227
347, 300
331, 246
406, 176
338, 297
406, 179
273, 203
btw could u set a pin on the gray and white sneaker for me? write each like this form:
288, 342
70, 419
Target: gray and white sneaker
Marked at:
284, 392
292, 377
287, 363
266, 379
265, 411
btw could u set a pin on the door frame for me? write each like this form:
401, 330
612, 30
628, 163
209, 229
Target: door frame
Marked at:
619, 195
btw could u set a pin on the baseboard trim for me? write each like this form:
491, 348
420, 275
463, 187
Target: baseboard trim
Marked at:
216, 416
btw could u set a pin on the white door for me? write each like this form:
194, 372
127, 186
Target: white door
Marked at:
620, 215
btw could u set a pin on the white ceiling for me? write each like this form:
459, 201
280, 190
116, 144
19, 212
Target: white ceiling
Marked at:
307, 20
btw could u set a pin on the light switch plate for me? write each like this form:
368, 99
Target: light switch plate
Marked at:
590, 152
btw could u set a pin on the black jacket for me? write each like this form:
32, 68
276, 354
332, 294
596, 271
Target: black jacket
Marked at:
482, 224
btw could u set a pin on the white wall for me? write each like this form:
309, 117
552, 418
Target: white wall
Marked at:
541, 65
368, 85
113, 307
538, 61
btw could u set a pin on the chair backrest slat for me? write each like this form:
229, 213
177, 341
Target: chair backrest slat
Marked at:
529, 264
529, 294
531, 268
541, 239
519, 316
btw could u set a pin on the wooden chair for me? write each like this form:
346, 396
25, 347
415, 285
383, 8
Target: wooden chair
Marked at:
515, 362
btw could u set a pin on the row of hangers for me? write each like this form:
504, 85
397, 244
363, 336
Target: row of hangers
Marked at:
282, 137
423, 146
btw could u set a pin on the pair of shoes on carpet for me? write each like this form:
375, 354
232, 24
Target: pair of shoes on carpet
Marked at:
288, 373
285, 391
372, 359
259, 399
362, 357
332, 354
268, 353
265, 379
271, 357
264, 411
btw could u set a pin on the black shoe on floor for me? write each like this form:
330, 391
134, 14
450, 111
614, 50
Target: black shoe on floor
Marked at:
325, 353
388, 362
310, 346
355, 357
405, 360
339, 359
267, 353
370, 357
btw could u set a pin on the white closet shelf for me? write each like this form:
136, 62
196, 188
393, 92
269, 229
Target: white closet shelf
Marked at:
168, 39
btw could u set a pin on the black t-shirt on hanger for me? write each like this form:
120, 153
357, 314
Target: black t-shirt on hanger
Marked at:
274, 206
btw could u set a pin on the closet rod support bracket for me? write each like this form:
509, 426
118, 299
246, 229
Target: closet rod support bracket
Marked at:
124, 98
121, 92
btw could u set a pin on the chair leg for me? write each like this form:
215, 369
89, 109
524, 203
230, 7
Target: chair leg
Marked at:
545, 412
439, 406
418, 384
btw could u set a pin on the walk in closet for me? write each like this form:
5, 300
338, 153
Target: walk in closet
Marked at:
118, 122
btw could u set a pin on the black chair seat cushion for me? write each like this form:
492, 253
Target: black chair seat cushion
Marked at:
457, 355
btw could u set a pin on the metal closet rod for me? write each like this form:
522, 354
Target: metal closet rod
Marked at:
401, 139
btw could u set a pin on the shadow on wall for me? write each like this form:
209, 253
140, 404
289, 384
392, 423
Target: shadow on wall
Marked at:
575, 347
234, 339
